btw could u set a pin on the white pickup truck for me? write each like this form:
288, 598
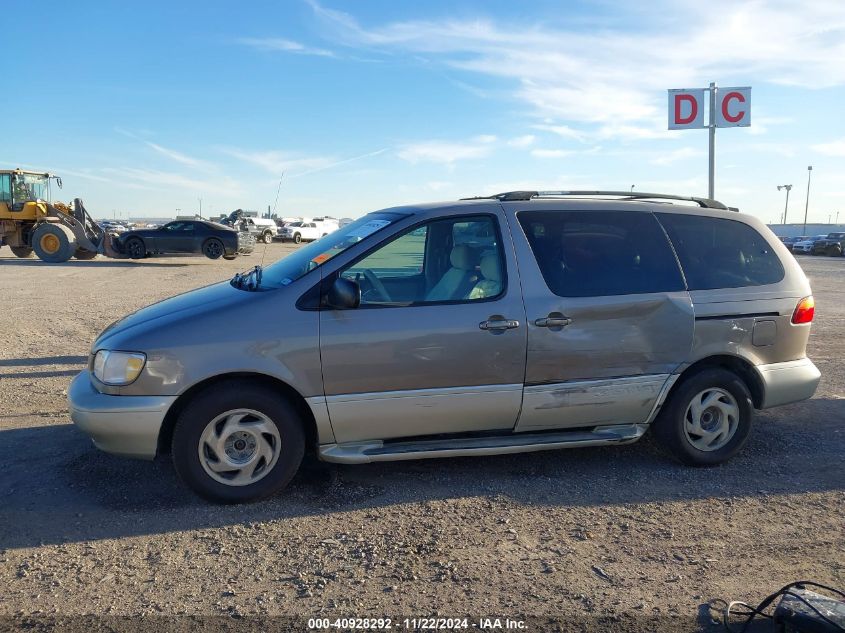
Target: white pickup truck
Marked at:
307, 230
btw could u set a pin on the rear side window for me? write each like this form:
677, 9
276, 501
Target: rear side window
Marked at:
601, 253
721, 253
5, 188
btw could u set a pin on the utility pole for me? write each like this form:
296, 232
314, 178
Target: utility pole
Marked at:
807, 203
711, 188
200, 199
786, 207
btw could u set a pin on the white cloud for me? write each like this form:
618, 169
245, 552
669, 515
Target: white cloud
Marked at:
141, 178
669, 158
834, 148
551, 153
615, 77
447, 152
278, 162
562, 130
177, 156
525, 140
279, 44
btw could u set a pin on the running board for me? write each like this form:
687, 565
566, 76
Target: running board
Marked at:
380, 451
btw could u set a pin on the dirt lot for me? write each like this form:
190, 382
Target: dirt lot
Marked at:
619, 538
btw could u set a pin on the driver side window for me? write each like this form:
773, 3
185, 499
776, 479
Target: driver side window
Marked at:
451, 260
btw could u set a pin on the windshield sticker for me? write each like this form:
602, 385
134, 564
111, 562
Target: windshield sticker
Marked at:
286, 281
368, 228
321, 258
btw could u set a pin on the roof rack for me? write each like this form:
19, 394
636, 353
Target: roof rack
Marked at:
512, 196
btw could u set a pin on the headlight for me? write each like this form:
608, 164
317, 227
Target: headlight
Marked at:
118, 368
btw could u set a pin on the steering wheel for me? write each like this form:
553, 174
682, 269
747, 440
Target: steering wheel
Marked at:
375, 282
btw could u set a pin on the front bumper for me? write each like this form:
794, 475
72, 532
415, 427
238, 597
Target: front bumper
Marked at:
123, 425
788, 382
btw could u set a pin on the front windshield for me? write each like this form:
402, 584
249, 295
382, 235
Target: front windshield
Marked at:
289, 269
30, 187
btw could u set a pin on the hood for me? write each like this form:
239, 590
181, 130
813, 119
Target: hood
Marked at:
191, 304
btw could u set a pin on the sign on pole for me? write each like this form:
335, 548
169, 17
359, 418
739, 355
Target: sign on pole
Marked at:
728, 107
686, 109
734, 107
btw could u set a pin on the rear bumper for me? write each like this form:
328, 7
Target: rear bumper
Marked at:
123, 425
787, 382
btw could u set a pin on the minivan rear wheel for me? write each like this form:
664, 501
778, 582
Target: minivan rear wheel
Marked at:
707, 419
237, 442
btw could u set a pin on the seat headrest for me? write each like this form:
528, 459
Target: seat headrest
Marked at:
490, 268
463, 257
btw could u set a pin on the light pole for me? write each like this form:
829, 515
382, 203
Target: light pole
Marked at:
632, 188
786, 207
200, 199
807, 203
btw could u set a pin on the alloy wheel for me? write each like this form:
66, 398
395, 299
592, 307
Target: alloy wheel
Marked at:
711, 419
239, 447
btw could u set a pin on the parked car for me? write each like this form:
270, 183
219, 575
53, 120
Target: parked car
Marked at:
833, 244
805, 247
182, 236
263, 229
789, 242
583, 322
307, 230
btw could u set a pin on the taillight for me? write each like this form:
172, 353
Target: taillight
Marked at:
804, 310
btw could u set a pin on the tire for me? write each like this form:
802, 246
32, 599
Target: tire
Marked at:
297, 238
267, 238
835, 251
23, 252
204, 421
135, 248
726, 393
213, 248
230, 257
53, 243
82, 254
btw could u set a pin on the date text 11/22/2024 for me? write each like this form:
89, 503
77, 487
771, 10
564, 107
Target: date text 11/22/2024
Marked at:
417, 624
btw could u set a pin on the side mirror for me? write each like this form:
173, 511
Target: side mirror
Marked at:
344, 294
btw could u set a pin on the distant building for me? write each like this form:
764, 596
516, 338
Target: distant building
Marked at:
796, 229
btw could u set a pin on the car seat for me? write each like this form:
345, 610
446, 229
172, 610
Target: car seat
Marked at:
459, 279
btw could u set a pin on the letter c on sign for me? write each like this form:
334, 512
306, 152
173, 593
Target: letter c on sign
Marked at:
740, 113
683, 120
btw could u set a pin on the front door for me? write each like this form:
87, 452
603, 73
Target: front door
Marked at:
175, 237
609, 318
437, 345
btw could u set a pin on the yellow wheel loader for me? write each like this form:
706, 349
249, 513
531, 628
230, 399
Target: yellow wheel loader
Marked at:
55, 232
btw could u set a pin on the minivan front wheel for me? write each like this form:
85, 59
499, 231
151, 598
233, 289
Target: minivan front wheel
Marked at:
237, 442
707, 419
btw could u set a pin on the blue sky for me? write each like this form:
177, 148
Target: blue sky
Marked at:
144, 108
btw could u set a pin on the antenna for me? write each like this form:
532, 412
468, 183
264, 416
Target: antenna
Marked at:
278, 190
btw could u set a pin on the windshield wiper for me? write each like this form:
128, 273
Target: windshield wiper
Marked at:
249, 280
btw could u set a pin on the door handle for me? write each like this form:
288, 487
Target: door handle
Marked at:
499, 324
553, 321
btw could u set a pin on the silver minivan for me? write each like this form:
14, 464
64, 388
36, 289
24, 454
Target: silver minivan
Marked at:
520, 322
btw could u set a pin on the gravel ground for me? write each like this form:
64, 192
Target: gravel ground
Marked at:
616, 538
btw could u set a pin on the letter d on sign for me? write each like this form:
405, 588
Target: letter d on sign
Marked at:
686, 109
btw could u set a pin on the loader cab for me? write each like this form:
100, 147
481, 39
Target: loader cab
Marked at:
29, 187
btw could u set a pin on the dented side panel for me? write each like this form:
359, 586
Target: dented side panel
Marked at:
588, 403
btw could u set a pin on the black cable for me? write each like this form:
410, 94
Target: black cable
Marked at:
817, 612
752, 612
